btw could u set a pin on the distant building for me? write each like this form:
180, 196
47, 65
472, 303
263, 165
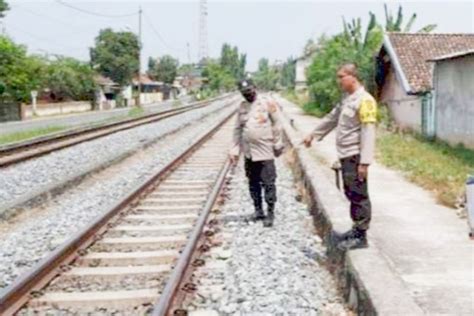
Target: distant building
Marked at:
151, 91
404, 75
302, 64
107, 92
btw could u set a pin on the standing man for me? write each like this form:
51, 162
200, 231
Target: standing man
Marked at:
258, 135
354, 118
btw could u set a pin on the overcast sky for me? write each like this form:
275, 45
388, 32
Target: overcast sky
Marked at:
273, 29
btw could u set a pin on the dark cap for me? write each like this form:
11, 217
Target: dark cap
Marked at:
246, 85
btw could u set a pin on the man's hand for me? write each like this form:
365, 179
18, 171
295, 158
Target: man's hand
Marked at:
272, 106
307, 140
233, 159
362, 172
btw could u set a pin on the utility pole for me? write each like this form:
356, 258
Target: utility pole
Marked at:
203, 45
189, 53
139, 102
3, 28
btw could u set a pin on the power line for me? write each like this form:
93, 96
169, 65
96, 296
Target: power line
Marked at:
49, 18
43, 39
158, 35
95, 13
203, 36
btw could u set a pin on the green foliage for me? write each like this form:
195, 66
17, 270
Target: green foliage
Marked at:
395, 25
65, 78
231, 62
310, 47
223, 74
288, 73
186, 69
352, 45
70, 79
347, 47
218, 78
164, 69
267, 77
18, 72
3, 7
115, 55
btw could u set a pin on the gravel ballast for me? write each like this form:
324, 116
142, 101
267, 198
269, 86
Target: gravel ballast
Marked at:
20, 180
61, 217
267, 271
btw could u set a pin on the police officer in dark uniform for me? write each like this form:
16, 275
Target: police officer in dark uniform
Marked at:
257, 134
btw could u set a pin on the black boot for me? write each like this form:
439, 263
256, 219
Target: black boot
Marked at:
351, 233
268, 222
354, 239
258, 215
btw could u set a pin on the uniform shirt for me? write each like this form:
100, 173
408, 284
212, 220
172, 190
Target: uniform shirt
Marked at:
354, 119
257, 130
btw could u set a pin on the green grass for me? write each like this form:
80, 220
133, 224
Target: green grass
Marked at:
26, 135
291, 96
21, 136
135, 112
433, 165
304, 102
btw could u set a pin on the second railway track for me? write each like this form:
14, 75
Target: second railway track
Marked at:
16, 153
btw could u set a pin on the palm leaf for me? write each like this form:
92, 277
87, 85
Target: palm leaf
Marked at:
428, 28
410, 23
398, 23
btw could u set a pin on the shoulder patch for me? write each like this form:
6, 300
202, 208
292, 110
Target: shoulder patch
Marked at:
368, 110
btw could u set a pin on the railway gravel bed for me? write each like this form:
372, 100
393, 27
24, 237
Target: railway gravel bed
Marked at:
48, 226
261, 271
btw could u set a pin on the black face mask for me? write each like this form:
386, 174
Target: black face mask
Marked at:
250, 96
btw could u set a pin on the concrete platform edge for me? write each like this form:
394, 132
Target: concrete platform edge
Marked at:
367, 281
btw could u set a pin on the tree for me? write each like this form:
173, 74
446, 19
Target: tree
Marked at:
242, 66
217, 78
18, 72
232, 62
288, 73
3, 7
395, 25
115, 55
164, 69
353, 45
310, 47
186, 69
222, 74
266, 77
70, 79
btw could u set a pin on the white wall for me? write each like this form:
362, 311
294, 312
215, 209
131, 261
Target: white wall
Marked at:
405, 109
300, 78
47, 109
454, 100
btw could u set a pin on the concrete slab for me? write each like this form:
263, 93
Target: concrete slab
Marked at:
419, 246
105, 299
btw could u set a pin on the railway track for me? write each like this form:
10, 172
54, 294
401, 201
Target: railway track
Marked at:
132, 260
16, 153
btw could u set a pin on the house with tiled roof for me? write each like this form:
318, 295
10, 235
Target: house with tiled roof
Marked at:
404, 75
